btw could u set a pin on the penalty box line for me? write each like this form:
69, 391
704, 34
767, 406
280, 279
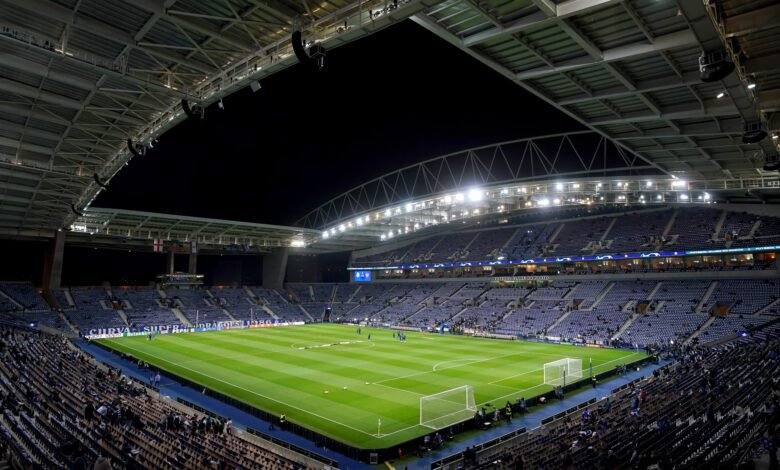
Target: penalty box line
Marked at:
261, 395
539, 370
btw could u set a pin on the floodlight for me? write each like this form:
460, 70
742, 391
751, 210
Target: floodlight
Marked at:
298, 243
559, 186
556, 201
459, 197
475, 195
447, 199
409, 207
684, 197
649, 184
544, 202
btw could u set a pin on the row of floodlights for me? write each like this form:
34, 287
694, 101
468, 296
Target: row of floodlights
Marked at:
473, 195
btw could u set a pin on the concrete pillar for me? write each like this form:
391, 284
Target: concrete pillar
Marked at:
52, 268
193, 269
169, 262
274, 268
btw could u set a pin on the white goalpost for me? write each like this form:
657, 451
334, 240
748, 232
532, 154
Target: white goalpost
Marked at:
448, 407
563, 371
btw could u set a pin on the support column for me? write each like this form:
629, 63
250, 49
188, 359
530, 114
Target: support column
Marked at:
274, 268
169, 262
52, 268
193, 269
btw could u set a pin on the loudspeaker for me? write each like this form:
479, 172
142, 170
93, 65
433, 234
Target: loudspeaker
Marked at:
97, 180
133, 150
298, 48
196, 112
73, 208
754, 133
715, 66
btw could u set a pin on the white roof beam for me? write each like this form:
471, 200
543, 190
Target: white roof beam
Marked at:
675, 112
563, 10
65, 15
675, 40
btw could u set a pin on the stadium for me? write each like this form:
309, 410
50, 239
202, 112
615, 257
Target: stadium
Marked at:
404, 234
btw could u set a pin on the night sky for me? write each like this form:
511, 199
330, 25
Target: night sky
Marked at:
392, 99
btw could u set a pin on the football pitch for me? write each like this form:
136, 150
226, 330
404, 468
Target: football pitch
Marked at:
289, 369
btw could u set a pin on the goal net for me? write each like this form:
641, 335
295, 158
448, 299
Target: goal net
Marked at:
563, 371
448, 407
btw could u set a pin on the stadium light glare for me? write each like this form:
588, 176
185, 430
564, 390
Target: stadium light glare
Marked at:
544, 202
342, 228
382, 237
409, 207
707, 196
459, 197
475, 195
556, 201
620, 184
559, 186
649, 184
504, 192
297, 243
448, 199
325, 235
659, 197
683, 197
598, 185
388, 213
576, 185
678, 183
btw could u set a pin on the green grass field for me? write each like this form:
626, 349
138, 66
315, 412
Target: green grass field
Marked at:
384, 378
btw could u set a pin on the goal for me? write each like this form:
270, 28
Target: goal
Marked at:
563, 371
448, 407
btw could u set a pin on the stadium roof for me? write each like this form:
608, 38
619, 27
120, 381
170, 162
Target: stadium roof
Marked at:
80, 78
113, 228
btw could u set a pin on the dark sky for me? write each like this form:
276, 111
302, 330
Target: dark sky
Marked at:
392, 99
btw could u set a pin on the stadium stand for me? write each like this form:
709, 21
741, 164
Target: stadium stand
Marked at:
93, 309
63, 410
701, 411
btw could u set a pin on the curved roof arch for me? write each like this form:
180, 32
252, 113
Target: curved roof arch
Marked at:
569, 155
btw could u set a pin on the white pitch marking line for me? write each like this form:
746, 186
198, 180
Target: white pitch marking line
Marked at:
537, 370
451, 367
399, 389
254, 393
